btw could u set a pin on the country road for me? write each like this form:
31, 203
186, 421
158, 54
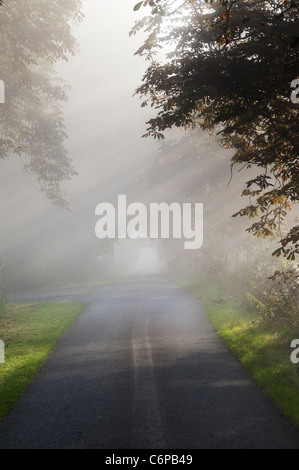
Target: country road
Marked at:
142, 368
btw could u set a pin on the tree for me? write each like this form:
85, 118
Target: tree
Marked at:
35, 34
230, 68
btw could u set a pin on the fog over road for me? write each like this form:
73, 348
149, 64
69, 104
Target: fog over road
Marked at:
143, 368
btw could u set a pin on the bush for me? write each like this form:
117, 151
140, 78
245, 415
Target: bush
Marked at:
252, 284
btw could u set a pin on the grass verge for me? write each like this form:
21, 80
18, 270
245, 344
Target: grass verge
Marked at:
29, 332
262, 346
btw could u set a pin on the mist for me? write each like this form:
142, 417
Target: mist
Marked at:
45, 246
149, 281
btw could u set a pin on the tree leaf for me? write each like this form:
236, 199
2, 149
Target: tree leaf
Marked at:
138, 6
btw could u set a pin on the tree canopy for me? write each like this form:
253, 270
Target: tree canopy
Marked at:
228, 69
35, 35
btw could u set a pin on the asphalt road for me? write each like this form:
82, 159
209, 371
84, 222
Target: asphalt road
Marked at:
142, 368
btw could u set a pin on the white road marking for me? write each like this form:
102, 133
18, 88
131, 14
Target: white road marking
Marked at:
147, 416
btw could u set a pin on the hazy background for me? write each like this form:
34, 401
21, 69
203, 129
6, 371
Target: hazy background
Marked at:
44, 246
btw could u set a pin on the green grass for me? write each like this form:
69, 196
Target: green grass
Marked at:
262, 346
30, 332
